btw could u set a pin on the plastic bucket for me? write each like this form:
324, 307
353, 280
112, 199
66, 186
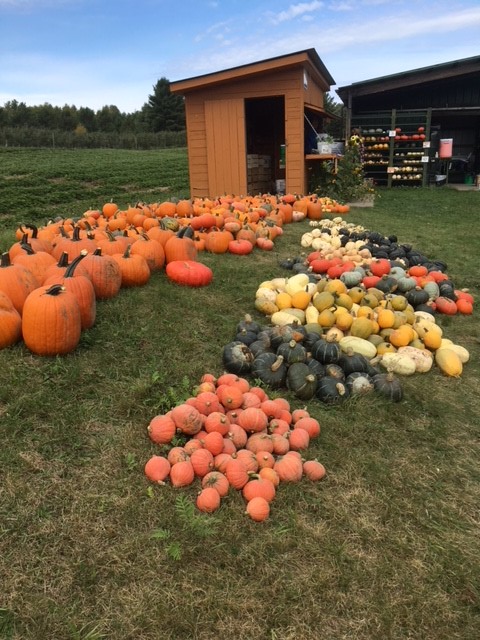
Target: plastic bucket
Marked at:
324, 148
445, 149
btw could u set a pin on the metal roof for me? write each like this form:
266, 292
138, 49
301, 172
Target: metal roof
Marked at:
260, 66
413, 76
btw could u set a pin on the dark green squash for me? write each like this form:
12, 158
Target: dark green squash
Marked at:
335, 371
417, 296
246, 336
315, 366
292, 351
270, 369
237, 358
387, 284
352, 362
285, 333
326, 352
331, 391
248, 324
311, 336
388, 385
260, 346
301, 381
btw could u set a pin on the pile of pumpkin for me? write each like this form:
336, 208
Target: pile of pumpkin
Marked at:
370, 294
51, 279
116, 248
234, 437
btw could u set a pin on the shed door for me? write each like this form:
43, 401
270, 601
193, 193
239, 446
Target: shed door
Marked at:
226, 149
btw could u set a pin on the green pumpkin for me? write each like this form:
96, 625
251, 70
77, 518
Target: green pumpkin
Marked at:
388, 385
352, 362
249, 324
432, 289
332, 391
417, 296
326, 352
292, 352
301, 381
237, 358
270, 369
406, 283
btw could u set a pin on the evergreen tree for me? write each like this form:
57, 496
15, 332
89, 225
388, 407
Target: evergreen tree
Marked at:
164, 110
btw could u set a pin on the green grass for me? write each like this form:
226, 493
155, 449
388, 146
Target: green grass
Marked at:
387, 546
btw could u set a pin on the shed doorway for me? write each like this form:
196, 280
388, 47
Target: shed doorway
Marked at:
265, 131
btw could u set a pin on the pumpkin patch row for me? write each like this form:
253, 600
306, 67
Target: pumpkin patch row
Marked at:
231, 436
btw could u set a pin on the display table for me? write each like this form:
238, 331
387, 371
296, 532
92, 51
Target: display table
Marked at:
324, 157
312, 161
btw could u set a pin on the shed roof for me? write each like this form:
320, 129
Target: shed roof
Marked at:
309, 56
421, 75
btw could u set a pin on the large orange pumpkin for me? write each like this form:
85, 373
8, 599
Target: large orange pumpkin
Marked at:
51, 321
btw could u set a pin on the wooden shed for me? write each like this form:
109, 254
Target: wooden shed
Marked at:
246, 125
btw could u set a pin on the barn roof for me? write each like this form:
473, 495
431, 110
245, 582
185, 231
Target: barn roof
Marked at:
307, 56
455, 68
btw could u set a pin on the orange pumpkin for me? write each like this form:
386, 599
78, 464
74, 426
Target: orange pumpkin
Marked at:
258, 509
51, 322
208, 500
10, 322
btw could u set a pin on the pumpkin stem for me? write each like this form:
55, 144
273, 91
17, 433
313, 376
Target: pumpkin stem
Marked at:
55, 290
76, 234
73, 265
5, 260
127, 251
63, 260
29, 225
277, 364
26, 246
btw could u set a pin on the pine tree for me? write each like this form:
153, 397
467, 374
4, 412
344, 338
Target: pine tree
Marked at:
164, 110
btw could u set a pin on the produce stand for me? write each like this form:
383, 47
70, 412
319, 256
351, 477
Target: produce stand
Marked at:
398, 149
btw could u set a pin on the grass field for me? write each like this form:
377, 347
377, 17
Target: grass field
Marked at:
387, 547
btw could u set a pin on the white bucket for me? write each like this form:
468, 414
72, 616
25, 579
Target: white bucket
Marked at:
324, 148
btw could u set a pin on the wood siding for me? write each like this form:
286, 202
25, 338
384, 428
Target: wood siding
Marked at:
226, 153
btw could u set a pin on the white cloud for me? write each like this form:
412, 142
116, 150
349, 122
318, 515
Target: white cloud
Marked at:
296, 10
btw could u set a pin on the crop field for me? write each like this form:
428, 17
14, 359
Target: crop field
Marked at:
386, 546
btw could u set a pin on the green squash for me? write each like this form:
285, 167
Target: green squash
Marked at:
388, 385
237, 358
270, 369
301, 381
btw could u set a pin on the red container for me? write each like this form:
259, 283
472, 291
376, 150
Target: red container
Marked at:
445, 149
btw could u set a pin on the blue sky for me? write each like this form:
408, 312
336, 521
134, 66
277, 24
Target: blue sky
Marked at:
91, 53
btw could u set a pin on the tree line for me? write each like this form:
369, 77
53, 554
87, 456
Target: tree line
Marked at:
159, 123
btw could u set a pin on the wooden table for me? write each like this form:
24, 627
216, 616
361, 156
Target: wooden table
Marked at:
324, 157
313, 158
